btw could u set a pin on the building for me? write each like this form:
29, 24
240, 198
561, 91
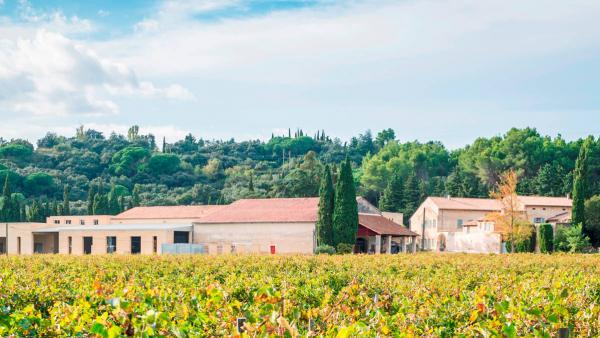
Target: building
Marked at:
278, 225
461, 225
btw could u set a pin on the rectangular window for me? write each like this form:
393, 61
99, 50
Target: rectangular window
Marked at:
19, 245
68, 221
136, 244
459, 224
56, 221
111, 244
70, 240
181, 237
96, 222
155, 244
82, 222
538, 220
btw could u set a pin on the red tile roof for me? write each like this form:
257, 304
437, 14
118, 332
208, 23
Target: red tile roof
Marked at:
488, 204
169, 212
266, 210
383, 226
544, 201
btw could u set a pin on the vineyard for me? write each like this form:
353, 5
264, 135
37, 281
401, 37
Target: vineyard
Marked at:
342, 296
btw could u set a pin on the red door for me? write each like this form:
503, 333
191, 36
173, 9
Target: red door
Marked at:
272, 249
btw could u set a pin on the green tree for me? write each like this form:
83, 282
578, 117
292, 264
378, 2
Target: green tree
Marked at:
592, 219
135, 197
113, 201
101, 205
39, 184
163, 164
579, 187
393, 195
546, 238
66, 206
412, 196
345, 215
326, 209
549, 180
91, 197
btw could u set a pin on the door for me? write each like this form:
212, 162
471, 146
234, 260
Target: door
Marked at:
87, 245
136, 244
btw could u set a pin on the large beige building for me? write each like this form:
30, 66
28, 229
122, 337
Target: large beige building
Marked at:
460, 224
279, 225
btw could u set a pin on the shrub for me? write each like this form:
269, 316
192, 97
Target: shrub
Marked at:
344, 248
325, 249
546, 238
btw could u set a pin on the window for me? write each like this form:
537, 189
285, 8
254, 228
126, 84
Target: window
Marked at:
38, 248
87, 245
181, 237
70, 245
56, 221
96, 222
136, 244
111, 244
155, 244
538, 220
459, 224
19, 245
68, 221
82, 222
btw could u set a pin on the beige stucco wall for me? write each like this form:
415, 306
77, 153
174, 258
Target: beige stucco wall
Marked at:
256, 237
123, 240
544, 212
22, 231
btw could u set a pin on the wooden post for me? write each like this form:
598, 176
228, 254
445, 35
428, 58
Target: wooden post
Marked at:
563, 332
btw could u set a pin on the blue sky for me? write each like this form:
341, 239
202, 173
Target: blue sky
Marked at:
432, 70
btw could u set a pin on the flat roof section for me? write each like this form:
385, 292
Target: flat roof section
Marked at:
118, 227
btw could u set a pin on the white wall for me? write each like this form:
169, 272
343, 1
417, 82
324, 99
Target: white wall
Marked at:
475, 242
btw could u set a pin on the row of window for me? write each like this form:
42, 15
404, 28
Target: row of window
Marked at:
111, 244
81, 221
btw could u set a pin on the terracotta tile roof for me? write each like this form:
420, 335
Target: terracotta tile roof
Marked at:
488, 204
266, 210
169, 212
383, 226
546, 201
460, 203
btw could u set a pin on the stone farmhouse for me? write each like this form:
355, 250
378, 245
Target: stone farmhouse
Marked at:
460, 224
278, 225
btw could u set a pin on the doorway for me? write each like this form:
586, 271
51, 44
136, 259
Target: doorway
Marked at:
87, 245
136, 244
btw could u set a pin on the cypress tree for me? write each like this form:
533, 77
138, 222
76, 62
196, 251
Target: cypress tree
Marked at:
113, 201
579, 186
121, 204
135, 198
66, 209
326, 207
345, 215
91, 196
251, 183
393, 195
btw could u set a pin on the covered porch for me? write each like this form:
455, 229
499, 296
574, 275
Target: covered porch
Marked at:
379, 235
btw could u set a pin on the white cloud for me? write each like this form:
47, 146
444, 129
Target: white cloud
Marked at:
53, 75
355, 41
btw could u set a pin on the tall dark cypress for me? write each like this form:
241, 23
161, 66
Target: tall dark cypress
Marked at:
345, 215
326, 207
579, 186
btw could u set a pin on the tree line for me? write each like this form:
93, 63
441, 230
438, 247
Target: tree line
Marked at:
393, 174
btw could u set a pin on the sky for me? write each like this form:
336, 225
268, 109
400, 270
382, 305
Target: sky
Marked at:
440, 70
